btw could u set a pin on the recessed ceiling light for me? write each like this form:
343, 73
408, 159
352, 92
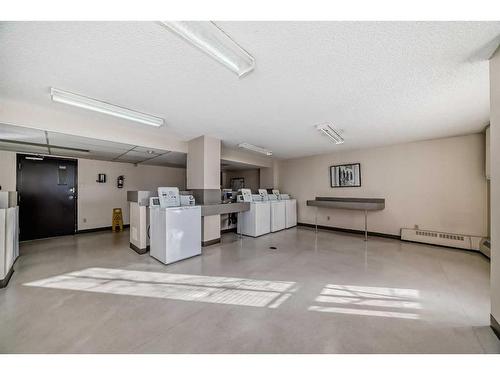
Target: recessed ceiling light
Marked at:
332, 133
150, 152
80, 101
251, 147
212, 40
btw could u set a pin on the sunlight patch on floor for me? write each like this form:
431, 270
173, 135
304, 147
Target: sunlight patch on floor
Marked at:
368, 301
197, 288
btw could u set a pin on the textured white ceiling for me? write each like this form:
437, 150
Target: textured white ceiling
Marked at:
381, 82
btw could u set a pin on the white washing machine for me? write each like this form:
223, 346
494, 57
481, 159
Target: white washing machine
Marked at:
278, 215
175, 231
290, 213
256, 221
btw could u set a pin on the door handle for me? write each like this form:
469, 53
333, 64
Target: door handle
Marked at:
70, 197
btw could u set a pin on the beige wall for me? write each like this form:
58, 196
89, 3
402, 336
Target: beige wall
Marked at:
437, 184
8, 170
251, 176
268, 167
495, 183
269, 177
95, 201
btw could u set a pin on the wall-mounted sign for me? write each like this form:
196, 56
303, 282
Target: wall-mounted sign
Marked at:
119, 182
345, 175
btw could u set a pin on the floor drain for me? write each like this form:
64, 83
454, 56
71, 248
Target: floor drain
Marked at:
273, 247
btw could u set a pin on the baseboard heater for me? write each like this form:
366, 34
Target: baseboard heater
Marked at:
459, 241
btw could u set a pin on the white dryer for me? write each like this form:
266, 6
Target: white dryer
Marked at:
175, 233
290, 211
278, 215
256, 221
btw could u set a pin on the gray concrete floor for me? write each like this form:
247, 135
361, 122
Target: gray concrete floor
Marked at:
339, 295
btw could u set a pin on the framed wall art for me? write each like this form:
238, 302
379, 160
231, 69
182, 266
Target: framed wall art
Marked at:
345, 175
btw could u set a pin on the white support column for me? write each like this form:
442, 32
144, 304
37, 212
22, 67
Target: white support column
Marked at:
203, 173
495, 188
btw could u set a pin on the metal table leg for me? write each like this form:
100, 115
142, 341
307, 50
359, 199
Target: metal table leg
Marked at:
240, 235
241, 232
366, 225
316, 219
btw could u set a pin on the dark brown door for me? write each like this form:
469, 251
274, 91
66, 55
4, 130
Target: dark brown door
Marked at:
47, 196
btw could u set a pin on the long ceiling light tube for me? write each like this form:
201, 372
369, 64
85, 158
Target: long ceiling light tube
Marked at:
212, 40
80, 101
254, 148
333, 134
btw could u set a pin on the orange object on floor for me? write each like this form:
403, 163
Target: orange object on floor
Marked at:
117, 219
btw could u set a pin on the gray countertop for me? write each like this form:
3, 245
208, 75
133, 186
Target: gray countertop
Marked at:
223, 208
368, 204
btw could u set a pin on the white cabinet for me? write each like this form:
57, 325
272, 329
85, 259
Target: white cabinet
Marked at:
278, 217
139, 223
487, 148
291, 213
9, 234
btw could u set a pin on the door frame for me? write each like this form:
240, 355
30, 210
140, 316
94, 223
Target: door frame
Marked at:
50, 157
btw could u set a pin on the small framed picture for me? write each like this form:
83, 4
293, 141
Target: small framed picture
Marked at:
237, 183
345, 175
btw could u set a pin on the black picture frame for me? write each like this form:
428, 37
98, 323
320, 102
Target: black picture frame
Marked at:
343, 185
237, 183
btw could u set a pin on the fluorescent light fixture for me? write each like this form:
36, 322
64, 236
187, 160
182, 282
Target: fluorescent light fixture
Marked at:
250, 147
331, 132
212, 40
80, 101
33, 157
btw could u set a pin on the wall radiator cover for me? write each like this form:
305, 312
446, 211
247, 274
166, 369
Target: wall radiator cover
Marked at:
461, 241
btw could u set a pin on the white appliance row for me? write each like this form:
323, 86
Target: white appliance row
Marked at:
9, 234
268, 213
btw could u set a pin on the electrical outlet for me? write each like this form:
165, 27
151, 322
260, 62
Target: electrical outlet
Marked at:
84, 219
328, 218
